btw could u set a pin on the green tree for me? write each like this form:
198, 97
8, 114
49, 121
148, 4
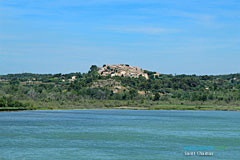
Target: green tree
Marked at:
94, 68
156, 97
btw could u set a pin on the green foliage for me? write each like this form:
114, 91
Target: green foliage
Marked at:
10, 102
156, 97
93, 68
49, 89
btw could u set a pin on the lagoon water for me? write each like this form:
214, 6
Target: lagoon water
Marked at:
118, 135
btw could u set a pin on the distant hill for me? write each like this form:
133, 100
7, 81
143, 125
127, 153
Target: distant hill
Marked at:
120, 84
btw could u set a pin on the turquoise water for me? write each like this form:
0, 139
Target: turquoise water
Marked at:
118, 135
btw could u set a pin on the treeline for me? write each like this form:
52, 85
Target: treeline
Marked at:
10, 102
174, 89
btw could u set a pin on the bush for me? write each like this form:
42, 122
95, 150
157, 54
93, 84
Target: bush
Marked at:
9, 102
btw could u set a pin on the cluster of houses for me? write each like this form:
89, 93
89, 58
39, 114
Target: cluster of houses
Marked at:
123, 70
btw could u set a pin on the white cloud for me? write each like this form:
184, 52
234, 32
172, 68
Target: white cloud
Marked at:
207, 18
141, 29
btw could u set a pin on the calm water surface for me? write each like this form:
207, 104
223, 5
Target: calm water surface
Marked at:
117, 135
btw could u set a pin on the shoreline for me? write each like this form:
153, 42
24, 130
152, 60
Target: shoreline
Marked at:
160, 107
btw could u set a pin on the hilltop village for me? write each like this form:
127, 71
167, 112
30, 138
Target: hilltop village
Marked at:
123, 70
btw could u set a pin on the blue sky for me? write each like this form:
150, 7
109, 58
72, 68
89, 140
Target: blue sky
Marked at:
176, 37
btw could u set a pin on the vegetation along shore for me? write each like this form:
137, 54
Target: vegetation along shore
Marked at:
119, 87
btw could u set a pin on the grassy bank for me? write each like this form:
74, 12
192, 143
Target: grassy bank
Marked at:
134, 105
139, 105
159, 107
196, 107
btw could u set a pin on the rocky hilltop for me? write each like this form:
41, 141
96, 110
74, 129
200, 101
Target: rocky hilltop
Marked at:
123, 70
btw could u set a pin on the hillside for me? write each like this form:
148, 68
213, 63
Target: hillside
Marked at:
118, 85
